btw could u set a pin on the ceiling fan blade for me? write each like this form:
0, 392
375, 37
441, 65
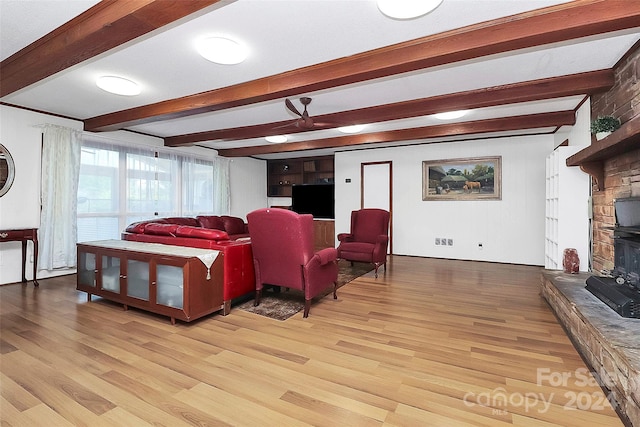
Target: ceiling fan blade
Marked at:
288, 125
327, 124
292, 107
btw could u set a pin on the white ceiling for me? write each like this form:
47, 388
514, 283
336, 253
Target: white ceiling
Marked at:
284, 35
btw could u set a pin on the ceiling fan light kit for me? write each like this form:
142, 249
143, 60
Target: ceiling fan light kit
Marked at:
407, 9
118, 85
222, 50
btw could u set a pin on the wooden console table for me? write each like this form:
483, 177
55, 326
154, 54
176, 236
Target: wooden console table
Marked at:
176, 281
22, 235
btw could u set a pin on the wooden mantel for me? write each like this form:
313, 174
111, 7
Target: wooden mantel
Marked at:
591, 159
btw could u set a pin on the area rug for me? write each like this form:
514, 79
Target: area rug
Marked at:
284, 304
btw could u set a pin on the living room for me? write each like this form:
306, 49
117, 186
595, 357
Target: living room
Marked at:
497, 224
499, 233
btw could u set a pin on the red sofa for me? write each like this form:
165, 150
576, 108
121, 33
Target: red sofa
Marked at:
226, 234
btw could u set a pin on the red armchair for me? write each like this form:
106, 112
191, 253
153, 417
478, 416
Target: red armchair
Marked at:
283, 254
368, 239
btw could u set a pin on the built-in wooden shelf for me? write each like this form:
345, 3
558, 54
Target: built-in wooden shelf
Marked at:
591, 159
282, 174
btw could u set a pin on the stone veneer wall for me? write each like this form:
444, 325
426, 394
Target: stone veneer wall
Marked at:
622, 173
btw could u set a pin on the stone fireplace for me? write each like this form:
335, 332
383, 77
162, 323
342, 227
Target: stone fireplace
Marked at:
620, 289
608, 342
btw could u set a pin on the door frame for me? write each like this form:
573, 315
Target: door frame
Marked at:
362, 186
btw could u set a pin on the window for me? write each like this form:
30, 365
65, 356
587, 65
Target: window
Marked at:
122, 184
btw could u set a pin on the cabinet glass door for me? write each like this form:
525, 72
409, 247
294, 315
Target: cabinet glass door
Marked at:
138, 279
87, 269
169, 282
110, 273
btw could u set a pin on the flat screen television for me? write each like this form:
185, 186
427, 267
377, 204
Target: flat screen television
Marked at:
315, 199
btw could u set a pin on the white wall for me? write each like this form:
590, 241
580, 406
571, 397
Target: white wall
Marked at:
248, 185
511, 230
20, 207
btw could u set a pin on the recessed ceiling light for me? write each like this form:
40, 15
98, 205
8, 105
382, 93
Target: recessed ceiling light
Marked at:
450, 115
276, 138
222, 50
351, 129
118, 85
407, 9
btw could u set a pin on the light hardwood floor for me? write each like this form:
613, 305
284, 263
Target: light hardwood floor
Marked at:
429, 343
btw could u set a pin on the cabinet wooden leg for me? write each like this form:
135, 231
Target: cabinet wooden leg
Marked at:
226, 308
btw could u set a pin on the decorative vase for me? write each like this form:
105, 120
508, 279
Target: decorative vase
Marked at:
600, 135
570, 261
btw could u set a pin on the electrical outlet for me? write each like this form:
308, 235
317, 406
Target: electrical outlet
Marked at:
480, 246
449, 242
437, 241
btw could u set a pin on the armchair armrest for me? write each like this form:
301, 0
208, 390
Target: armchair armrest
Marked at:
326, 255
382, 238
380, 248
345, 237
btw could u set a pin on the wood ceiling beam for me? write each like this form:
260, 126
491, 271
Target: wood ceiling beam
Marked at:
553, 24
533, 90
530, 121
104, 26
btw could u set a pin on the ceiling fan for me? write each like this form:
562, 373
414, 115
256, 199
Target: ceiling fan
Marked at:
305, 121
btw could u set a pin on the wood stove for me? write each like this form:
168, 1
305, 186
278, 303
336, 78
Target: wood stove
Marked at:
621, 291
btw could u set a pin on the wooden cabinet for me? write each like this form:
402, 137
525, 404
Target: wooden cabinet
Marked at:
324, 236
283, 173
179, 282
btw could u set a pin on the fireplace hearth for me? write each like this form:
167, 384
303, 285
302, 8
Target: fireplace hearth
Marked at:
609, 343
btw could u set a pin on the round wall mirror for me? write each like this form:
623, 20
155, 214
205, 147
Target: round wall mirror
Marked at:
7, 170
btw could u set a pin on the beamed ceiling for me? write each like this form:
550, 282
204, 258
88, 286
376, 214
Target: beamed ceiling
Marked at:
519, 67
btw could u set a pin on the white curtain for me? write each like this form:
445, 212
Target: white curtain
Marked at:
60, 171
221, 186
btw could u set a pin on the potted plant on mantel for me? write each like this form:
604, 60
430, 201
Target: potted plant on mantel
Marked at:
604, 126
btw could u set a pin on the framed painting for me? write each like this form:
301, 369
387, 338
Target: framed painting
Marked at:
477, 178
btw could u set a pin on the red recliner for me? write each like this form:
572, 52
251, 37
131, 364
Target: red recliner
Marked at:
368, 239
283, 254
